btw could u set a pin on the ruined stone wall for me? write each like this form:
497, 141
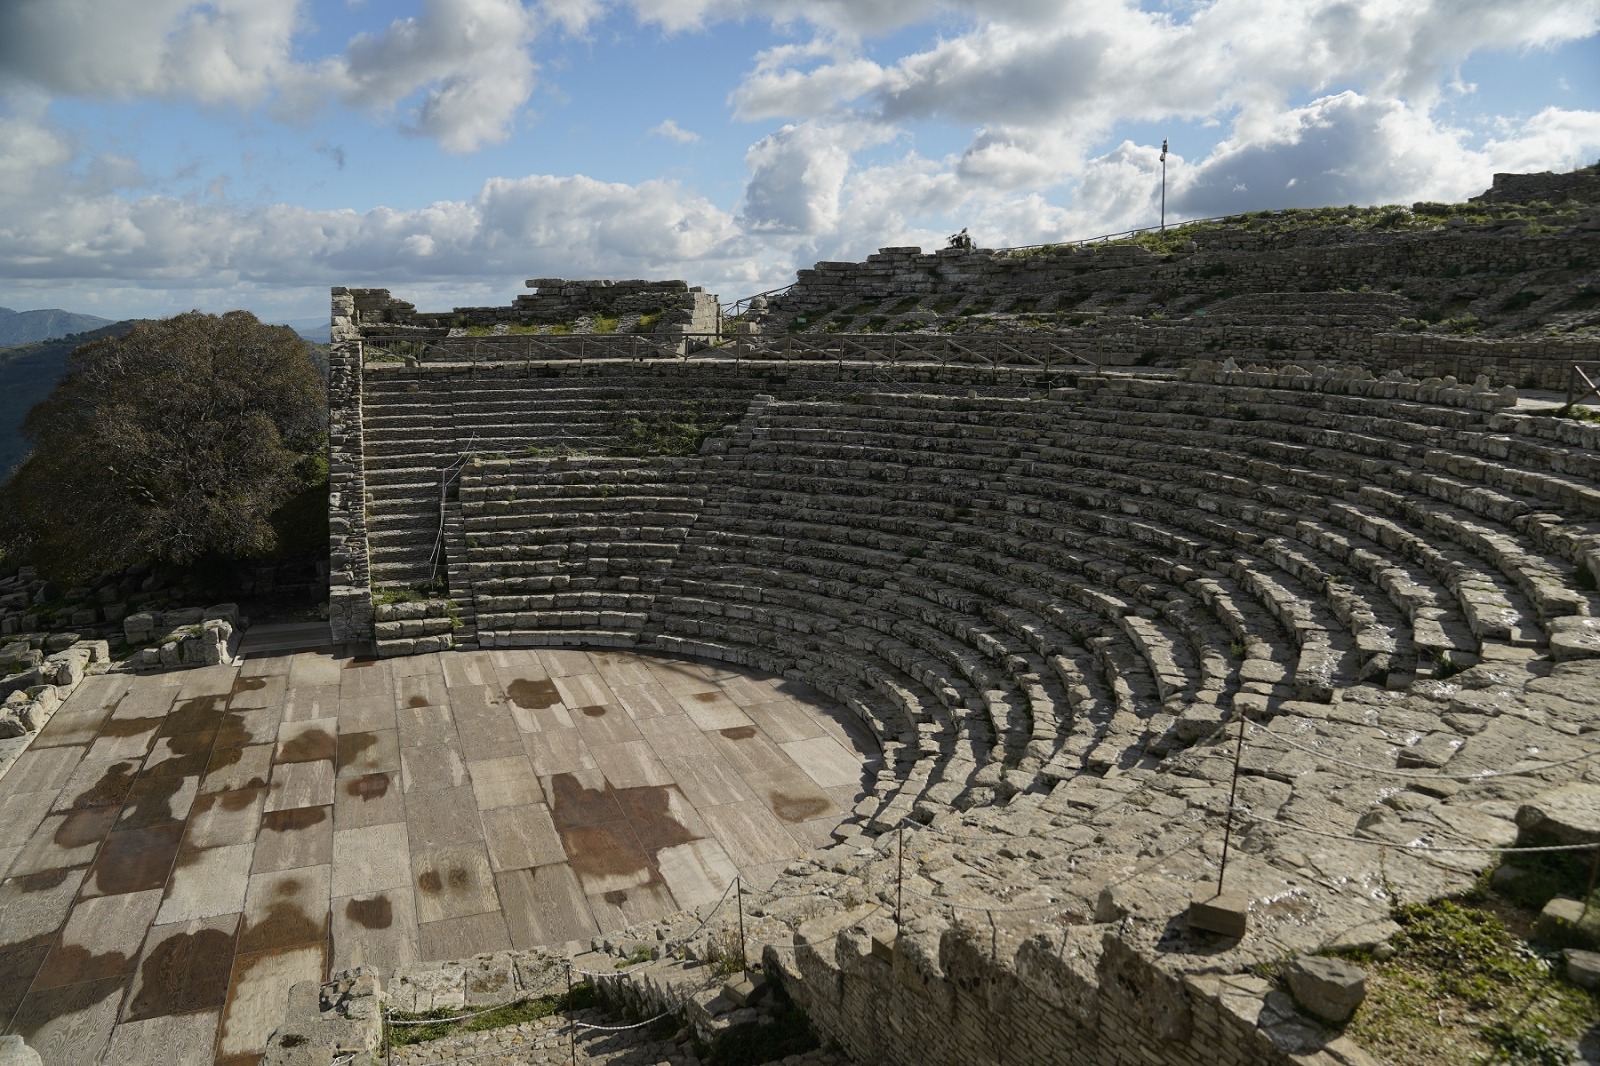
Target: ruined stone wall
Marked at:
1079, 996
1525, 188
1216, 262
553, 301
349, 591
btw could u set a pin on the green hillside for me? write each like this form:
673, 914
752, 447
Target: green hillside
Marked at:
25, 327
27, 374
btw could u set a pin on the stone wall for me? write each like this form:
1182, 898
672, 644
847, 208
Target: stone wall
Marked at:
1581, 184
558, 301
349, 594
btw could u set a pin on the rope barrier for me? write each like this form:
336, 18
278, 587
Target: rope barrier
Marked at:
1466, 849
624, 1028
1392, 771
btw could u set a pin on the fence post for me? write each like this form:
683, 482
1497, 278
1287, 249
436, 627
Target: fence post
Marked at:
900, 877
1233, 790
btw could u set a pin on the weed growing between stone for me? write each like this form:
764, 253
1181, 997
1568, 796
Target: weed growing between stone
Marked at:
1463, 988
582, 997
725, 954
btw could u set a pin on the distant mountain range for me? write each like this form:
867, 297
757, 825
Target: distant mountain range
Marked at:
34, 346
25, 327
27, 374
315, 330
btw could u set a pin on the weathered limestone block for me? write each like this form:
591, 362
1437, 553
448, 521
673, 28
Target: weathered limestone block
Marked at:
426, 987
139, 628
1568, 815
1331, 989
19, 654
1566, 922
1574, 637
330, 1022
1583, 968
19, 682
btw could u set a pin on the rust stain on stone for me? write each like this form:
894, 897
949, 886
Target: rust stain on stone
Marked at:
286, 924
599, 843
374, 913
353, 745
310, 746
71, 963
110, 790
798, 808
192, 715
533, 695
739, 732
150, 802
291, 821
121, 728
137, 860
43, 881
708, 697
368, 787
81, 828
430, 882
185, 972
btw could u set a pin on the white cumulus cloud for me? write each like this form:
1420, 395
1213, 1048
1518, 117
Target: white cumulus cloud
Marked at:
669, 130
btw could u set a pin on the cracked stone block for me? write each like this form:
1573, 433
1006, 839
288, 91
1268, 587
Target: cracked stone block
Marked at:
1569, 814
1331, 989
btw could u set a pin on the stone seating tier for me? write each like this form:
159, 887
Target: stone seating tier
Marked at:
1039, 586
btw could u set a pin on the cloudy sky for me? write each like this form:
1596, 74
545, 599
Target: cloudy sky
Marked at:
158, 155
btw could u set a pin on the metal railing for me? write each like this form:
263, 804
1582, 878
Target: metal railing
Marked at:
1581, 383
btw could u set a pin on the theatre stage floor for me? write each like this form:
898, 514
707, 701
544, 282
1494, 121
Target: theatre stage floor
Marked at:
177, 850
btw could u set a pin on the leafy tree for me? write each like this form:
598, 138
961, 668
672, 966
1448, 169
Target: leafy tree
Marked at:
176, 440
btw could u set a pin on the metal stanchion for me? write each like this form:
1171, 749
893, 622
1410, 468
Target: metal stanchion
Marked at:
572, 1032
900, 877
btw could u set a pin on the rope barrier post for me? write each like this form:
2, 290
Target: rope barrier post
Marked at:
1594, 875
388, 1041
572, 1033
1233, 791
744, 956
900, 877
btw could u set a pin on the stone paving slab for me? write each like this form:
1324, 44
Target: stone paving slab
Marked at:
177, 850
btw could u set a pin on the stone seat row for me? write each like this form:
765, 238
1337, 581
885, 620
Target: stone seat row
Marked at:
791, 461
1079, 444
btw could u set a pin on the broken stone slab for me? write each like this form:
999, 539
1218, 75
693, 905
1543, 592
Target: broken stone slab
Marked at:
1574, 637
1568, 815
340, 1021
1331, 989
